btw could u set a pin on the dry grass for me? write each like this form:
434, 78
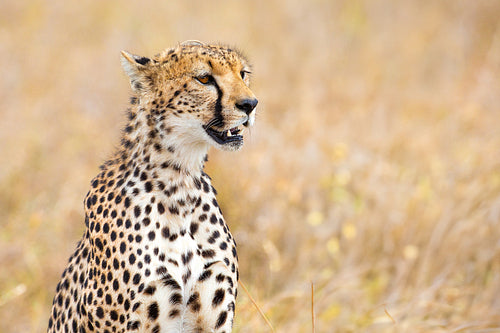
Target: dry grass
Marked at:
373, 170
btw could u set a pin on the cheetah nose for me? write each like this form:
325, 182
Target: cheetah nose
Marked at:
247, 105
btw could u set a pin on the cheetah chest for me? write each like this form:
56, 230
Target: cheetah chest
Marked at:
187, 261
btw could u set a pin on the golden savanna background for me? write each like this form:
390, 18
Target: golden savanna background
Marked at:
373, 169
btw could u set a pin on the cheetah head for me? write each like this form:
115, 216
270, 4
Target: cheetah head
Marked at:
199, 92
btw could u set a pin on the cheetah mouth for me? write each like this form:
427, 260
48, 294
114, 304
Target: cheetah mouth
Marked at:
226, 136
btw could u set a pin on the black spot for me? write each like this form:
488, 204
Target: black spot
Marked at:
214, 236
136, 305
98, 243
165, 232
126, 276
137, 278
186, 258
148, 187
153, 311
99, 312
157, 147
205, 275
116, 264
194, 302
137, 85
193, 228
142, 60
197, 183
137, 211
152, 235
231, 306
218, 297
193, 298
113, 315
170, 282
150, 290
175, 299
206, 188
221, 320
174, 313
161, 208
173, 210
208, 253
131, 259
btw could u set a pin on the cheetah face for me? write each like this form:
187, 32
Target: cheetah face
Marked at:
230, 104
204, 90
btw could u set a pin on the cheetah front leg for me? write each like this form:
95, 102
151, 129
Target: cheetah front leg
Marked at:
211, 304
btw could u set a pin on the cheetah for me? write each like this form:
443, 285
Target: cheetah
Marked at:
156, 254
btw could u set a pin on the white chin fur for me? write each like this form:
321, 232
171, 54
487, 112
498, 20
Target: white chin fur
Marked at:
232, 146
251, 118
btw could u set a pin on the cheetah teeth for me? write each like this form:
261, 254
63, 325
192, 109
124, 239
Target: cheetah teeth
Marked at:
229, 133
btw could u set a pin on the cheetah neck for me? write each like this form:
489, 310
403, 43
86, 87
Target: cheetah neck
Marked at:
162, 145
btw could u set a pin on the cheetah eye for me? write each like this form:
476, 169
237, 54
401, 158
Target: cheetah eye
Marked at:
244, 74
205, 79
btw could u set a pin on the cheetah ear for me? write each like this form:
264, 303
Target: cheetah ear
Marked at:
134, 66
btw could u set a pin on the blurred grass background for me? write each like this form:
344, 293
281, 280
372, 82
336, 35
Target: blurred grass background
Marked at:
373, 169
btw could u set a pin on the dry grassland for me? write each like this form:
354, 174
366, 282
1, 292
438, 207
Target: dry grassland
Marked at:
373, 169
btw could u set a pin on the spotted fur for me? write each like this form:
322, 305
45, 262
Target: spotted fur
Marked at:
156, 254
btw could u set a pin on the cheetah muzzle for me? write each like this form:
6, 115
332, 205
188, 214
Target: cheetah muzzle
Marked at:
156, 254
